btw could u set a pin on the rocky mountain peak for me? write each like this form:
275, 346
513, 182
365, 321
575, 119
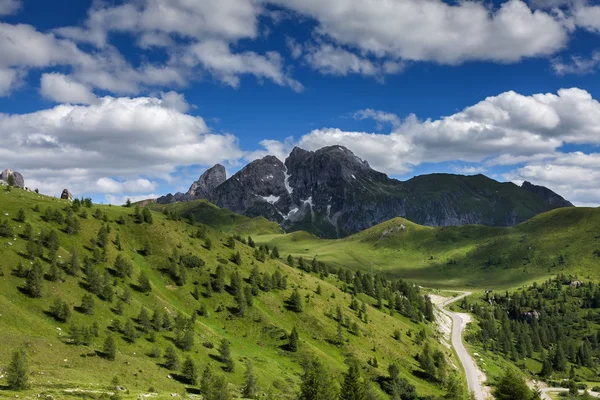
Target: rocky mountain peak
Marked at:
19, 180
208, 181
550, 197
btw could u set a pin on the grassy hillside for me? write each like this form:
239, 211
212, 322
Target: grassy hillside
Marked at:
62, 369
219, 218
566, 239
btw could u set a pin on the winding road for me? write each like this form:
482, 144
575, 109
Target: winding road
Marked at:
458, 325
471, 369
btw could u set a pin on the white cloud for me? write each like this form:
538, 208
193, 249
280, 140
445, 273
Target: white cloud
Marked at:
216, 57
122, 138
434, 30
9, 7
573, 175
9, 79
175, 100
587, 16
577, 64
333, 60
504, 129
381, 117
109, 185
197, 19
62, 89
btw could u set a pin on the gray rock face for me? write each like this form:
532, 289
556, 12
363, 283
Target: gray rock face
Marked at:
66, 195
203, 188
19, 180
333, 193
548, 195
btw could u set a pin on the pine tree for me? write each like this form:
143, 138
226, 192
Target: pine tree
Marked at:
17, 372
225, 356
171, 358
129, 331
249, 390
20, 215
110, 348
123, 267
512, 386
87, 304
34, 280
316, 384
293, 340
144, 283
426, 361
74, 265
218, 283
190, 371
352, 387
206, 381
295, 301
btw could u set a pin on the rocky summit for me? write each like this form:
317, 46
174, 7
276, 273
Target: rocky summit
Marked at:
333, 193
19, 181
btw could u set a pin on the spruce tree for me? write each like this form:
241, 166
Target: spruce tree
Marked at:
512, 386
316, 384
249, 390
17, 372
110, 348
352, 387
293, 340
295, 301
225, 356
144, 283
34, 280
171, 358
190, 371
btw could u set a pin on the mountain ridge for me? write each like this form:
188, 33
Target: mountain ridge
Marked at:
333, 193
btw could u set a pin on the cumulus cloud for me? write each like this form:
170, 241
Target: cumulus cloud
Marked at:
9, 79
573, 175
434, 30
506, 129
577, 64
381, 117
9, 7
108, 145
216, 57
62, 89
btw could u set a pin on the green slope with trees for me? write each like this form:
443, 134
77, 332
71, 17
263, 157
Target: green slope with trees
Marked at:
104, 301
473, 256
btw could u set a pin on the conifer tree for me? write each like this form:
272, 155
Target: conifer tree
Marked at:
17, 372
110, 348
225, 356
144, 283
249, 390
295, 301
171, 358
352, 386
190, 371
293, 340
316, 384
34, 280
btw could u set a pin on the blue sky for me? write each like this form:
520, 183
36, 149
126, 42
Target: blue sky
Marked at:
118, 99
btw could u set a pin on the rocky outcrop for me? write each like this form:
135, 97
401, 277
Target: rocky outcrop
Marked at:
203, 188
66, 195
19, 181
548, 195
331, 192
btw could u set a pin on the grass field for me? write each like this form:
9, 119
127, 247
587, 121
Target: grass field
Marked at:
464, 257
57, 365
